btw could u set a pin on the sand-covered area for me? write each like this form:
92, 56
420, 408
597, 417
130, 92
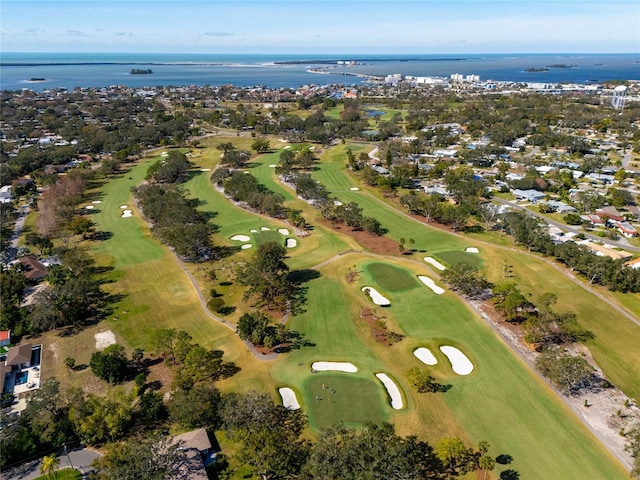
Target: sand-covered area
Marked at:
126, 213
431, 284
425, 356
334, 367
104, 339
472, 250
283, 231
246, 246
291, 242
354, 189
376, 297
435, 263
289, 399
392, 390
459, 361
241, 238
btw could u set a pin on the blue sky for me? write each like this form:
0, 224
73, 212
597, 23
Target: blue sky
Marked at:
316, 26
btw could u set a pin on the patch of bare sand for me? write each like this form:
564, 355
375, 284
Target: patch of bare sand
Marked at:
104, 339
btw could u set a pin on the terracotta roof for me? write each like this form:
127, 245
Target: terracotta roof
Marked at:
19, 354
5, 335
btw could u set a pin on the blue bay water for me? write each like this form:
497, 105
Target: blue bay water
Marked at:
70, 70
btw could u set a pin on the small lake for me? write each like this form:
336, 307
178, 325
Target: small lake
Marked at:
375, 113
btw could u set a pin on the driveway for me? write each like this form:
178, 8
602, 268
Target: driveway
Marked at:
81, 459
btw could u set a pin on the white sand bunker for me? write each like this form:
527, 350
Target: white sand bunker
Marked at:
122, 207
97, 201
376, 297
425, 356
205, 169
289, 400
334, 366
126, 213
265, 229
337, 203
392, 390
245, 246
272, 166
283, 231
104, 339
355, 189
89, 207
435, 263
472, 250
459, 361
241, 238
291, 242
254, 231
431, 284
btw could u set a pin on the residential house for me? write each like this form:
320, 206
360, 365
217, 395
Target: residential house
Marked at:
34, 269
533, 196
19, 356
560, 207
625, 228
610, 213
5, 338
635, 263
197, 446
604, 251
5, 194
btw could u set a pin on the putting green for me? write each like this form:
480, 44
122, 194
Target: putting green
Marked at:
390, 277
356, 399
268, 236
454, 257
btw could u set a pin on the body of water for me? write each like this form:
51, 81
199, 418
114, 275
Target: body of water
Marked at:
70, 70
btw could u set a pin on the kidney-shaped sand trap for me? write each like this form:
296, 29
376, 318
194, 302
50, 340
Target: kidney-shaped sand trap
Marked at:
459, 361
283, 231
246, 246
392, 390
289, 400
376, 297
425, 356
334, 366
435, 263
431, 284
241, 238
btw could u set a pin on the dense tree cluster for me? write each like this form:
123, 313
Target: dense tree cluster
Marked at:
244, 187
260, 330
176, 221
467, 280
571, 374
171, 169
266, 276
605, 271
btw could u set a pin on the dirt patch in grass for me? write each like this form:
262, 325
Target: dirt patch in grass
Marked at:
378, 332
376, 244
160, 376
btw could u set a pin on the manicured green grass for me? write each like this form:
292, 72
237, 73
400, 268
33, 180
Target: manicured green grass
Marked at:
129, 242
454, 257
390, 277
356, 399
63, 474
332, 174
268, 236
501, 401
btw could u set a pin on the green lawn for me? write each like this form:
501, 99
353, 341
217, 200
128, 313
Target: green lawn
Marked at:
455, 256
502, 401
345, 405
390, 277
63, 474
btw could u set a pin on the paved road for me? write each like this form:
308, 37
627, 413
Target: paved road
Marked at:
81, 459
19, 225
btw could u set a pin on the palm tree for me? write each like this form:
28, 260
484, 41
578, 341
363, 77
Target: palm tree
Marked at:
50, 466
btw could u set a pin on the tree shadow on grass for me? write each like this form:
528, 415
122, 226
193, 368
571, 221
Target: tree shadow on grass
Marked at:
509, 475
504, 459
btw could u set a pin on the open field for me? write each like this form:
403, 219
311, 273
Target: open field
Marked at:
500, 401
613, 346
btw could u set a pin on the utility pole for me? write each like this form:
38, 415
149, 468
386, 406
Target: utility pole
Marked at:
66, 452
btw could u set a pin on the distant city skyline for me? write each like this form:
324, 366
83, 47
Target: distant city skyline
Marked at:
321, 26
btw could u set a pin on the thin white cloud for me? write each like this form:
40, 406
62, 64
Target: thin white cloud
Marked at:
218, 34
77, 33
